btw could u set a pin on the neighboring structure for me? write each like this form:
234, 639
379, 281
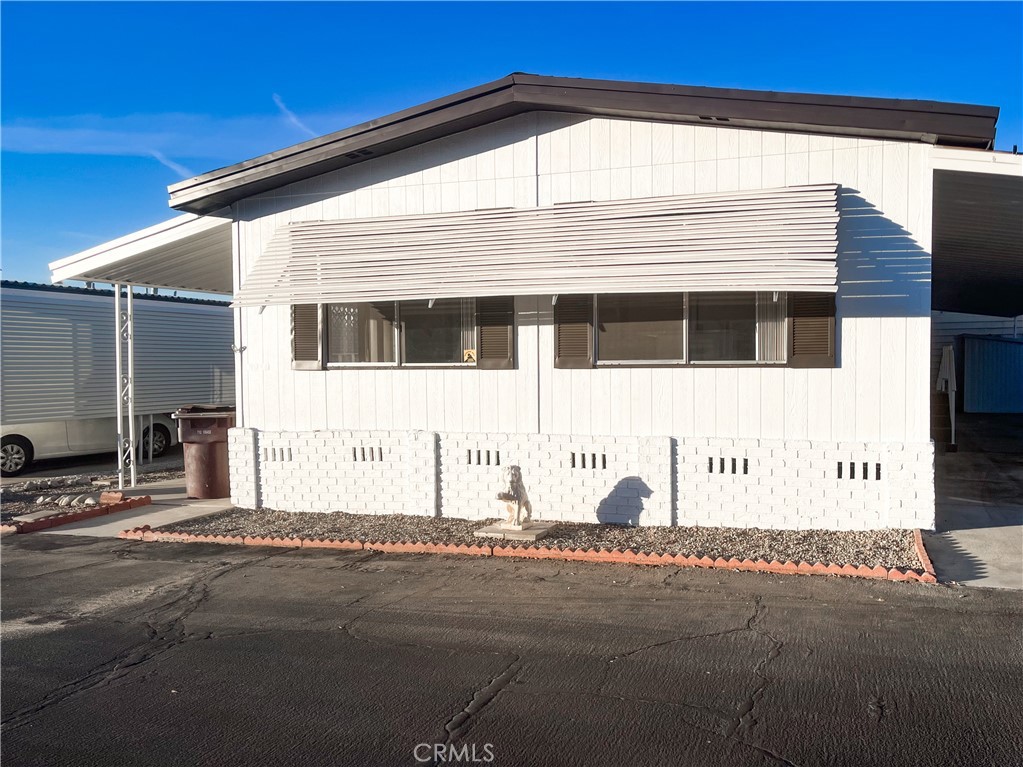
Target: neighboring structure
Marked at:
668, 305
58, 372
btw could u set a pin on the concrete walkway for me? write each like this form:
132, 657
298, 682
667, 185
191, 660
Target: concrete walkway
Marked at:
170, 504
979, 537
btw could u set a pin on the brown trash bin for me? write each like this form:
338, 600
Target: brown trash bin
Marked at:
202, 431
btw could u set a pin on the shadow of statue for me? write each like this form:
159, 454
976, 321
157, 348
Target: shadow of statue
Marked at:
624, 504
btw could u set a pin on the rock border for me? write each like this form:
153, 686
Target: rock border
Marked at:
77, 515
616, 556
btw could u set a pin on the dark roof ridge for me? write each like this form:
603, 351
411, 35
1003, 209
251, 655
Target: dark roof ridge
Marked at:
965, 125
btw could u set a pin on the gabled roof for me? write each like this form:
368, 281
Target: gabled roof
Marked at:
961, 125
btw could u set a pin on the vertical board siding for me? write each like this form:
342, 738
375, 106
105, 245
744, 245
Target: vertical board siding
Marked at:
878, 391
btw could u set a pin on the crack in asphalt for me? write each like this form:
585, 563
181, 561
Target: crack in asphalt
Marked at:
676, 640
744, 719
165, 630
483, 697
735, 727
671, 704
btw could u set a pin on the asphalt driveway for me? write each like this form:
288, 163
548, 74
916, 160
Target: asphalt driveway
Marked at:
121, 653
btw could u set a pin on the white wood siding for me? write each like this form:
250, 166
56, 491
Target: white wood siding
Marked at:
879, 392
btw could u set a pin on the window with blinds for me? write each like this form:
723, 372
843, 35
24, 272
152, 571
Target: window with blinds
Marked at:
458, 331
770, 328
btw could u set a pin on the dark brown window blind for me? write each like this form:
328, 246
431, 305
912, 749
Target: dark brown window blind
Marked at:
812, 330
573, 325
496, 319
305, 337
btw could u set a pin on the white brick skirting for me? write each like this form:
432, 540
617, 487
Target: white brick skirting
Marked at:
781, 484
800, 485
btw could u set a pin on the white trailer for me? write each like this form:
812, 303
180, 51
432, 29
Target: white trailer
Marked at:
59, 373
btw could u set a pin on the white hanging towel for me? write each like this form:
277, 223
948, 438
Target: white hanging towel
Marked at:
946, 371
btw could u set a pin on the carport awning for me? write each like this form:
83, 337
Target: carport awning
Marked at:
775, 239
186, 253
978, 242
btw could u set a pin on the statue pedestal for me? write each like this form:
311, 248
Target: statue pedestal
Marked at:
530, 531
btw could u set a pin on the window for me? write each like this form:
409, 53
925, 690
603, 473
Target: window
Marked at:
444, 333
440, 332
722, 327
637, 328
361, 333
698, 328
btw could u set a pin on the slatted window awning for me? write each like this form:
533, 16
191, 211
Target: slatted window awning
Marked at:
777, 239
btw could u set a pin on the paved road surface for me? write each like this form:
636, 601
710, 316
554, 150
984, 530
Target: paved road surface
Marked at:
119, 653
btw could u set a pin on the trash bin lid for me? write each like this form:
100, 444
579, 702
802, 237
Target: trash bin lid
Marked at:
203, 411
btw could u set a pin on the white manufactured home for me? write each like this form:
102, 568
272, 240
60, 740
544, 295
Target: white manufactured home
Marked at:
59, 390
666, 304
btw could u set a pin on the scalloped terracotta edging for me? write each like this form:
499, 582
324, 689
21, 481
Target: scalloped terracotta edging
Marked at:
615, 556
79, 514
421, 547
925, 559
630, 556
146, 533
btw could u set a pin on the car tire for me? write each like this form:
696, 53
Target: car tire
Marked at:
160, 443
15, 455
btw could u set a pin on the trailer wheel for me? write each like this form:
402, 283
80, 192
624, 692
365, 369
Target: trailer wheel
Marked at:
15, 455
161, 441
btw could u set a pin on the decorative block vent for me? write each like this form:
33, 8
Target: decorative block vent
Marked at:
483, 457
863, 470
723, 465
276, 454
581, 460
367, 454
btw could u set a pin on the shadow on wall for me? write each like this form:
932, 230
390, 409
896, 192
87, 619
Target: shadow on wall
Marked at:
624, 504
882, 270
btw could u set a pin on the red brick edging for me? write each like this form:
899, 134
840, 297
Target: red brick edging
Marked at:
921, 552
627, 556
77, 515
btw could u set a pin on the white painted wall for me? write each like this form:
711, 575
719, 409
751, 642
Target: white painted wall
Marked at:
878, 393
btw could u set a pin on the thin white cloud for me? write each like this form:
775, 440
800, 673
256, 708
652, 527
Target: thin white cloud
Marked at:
293, 118
181, 170
194, 138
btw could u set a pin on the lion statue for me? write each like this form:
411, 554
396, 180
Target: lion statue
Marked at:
520, 510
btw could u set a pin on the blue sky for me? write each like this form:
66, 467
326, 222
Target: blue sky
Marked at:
105, 104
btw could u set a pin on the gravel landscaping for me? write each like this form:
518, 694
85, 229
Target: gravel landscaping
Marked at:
21, 498
888, 548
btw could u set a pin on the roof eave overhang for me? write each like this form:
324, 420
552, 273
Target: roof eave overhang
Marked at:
924, 121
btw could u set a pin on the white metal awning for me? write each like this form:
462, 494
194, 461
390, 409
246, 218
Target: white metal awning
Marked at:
775, 239
186, 253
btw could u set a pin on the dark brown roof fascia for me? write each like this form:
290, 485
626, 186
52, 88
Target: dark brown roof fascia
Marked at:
927, 121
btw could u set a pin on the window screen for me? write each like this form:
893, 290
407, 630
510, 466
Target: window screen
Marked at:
723, 327
441, 334
640, 327
360, 333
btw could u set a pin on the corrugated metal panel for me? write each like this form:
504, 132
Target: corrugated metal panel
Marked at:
994, 375
58, 356
776, 239
977, 243
949, 327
